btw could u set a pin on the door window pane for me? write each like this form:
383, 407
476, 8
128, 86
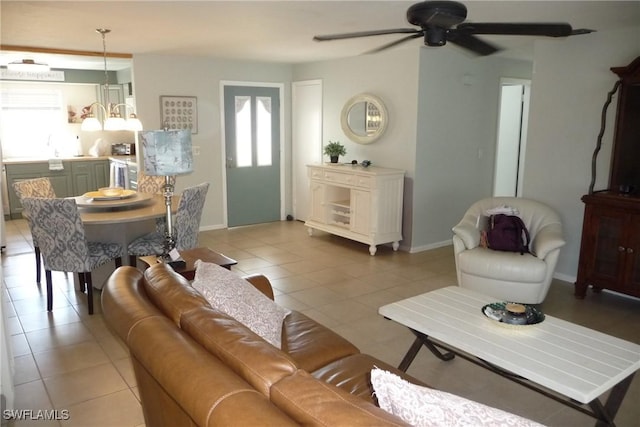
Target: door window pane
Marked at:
264, 143
243, 131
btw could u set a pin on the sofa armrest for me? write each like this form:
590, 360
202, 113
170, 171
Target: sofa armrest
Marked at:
468, 233
546, 240
261, 283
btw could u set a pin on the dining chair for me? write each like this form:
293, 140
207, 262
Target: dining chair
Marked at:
152, 184
57, 225
36, 187
186, 225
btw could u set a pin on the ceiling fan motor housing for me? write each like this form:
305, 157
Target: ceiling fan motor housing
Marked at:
444, 14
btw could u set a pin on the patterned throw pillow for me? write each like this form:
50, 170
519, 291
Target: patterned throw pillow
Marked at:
234, 296
423, 406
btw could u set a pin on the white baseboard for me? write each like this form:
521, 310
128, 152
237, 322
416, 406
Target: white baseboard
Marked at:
430, 246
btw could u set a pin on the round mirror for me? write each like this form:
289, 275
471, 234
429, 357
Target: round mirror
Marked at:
364, 118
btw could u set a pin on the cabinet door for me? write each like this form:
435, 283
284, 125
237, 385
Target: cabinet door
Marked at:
632, 248
316, 208
101, 173
83, 177
361, 212
608, 247
60, 180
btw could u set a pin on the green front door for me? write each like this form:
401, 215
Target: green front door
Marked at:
252, 149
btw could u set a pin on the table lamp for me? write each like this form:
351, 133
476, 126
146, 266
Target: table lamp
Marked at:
167, 153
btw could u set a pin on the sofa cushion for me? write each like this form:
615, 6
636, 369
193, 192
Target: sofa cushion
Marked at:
314, 403
173, 371
171, 292
311, 344
423, 406
499, 265
353, 374
248, 355
231, 294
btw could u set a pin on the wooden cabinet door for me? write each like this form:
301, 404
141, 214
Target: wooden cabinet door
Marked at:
361, 212
632, 262
608, 247
83, 178
101, 173
316, 209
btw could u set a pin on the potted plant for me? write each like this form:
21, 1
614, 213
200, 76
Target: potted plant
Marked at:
334, 150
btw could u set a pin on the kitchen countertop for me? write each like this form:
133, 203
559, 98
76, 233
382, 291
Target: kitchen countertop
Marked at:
13, 160
131, 160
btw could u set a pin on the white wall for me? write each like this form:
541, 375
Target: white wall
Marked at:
156, 75
457, 120
391, 75
569, 87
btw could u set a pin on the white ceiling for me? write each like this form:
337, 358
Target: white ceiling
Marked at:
274, 31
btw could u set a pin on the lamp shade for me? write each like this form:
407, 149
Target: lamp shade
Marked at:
167, 152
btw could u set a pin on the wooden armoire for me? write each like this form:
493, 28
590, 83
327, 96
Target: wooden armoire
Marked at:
610, 248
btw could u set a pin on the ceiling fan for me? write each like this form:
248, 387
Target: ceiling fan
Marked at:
443, 21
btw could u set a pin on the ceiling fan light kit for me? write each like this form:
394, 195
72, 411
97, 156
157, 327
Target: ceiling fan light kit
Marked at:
28, 65
443, 21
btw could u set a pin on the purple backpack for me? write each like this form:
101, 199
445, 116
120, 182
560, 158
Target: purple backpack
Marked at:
507, 233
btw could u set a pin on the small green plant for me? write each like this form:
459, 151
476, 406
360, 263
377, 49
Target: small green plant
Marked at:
334, 149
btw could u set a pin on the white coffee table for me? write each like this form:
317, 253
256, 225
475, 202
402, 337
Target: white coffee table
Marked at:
553, 357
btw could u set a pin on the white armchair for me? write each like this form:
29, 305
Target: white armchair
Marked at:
509, 276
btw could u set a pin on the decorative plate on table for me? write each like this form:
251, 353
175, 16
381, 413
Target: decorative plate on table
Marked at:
513, 314
122, 201
97, 196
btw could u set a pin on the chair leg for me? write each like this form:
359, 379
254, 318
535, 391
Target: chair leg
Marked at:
133, 260
87, 275
47, 275
36, 249
82, 282
118, 262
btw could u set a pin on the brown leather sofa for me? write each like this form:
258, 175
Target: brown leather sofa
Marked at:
195, 366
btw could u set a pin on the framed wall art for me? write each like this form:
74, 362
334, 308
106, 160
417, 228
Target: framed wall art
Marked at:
179, 112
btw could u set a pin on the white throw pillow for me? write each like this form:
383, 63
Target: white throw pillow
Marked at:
423, 406
234, 296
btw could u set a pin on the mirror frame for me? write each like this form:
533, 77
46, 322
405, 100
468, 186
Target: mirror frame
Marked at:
344, 118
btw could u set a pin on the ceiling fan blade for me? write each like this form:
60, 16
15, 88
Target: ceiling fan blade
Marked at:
471, 42
395, 43
365, 34
550, 29
579, 31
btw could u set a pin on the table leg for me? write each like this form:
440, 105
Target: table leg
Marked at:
607, 413
422, 340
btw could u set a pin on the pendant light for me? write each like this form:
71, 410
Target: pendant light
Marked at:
113, 117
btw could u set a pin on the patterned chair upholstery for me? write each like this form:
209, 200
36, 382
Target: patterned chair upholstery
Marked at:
186, 226
57, 225
37, 187
152, 184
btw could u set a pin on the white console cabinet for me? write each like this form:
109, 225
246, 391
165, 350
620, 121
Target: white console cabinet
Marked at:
361, 204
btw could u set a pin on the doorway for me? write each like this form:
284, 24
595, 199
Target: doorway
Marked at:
306, 140
512, 135
252, 153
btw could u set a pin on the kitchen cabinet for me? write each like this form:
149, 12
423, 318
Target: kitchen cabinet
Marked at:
89, 175
358, 203
610, 246
77, 177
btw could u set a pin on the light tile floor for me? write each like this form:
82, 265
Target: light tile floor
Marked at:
69, 360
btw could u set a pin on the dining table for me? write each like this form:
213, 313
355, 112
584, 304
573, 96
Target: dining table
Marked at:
119, 220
